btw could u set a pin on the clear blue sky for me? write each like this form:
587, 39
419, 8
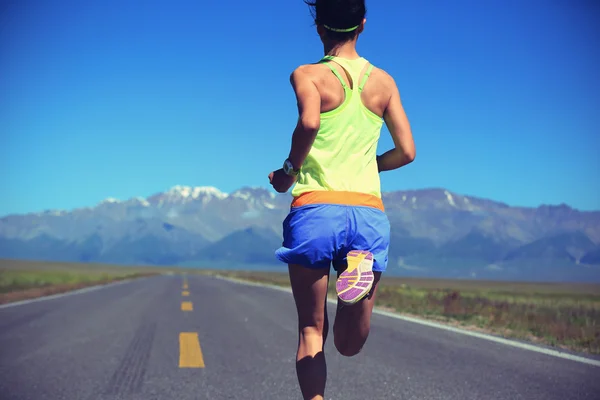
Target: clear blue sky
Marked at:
128, 98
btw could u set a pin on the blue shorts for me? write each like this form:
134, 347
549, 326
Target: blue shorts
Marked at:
317, 235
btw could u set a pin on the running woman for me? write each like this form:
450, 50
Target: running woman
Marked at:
337, 215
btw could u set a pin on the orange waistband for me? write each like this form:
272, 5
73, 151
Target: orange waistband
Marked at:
338, 197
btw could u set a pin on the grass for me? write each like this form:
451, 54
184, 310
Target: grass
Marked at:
21, 280
565, 315
554, 314
11, 281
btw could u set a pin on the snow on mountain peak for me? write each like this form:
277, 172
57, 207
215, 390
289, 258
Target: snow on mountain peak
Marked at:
256, 195
242, 195
110, 200
195, 192
450, 198
141, 201
252, 191
54, 213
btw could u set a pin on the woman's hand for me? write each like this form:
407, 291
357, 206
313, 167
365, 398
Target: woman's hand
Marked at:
281, 181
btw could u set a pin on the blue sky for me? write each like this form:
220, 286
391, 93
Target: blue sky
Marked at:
129, 98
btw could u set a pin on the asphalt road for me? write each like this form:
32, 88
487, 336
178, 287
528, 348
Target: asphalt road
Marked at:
125, 342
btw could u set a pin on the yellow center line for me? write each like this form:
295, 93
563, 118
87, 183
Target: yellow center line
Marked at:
185, 286
186, 306
190, 354
185, 293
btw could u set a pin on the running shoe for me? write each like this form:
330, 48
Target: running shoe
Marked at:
357, 280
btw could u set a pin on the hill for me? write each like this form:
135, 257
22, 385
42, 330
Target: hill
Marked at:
435, 233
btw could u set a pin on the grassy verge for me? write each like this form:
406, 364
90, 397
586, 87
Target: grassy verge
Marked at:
558, 315
22, 280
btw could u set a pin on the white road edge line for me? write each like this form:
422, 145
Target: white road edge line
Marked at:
69, 293
508, 342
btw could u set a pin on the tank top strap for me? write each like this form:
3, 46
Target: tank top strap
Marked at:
365, 77
325, 60
354, 68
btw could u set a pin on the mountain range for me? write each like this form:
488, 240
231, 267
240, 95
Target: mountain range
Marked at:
435, 233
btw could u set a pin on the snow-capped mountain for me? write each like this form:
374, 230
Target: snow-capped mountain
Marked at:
435, 232
187, 194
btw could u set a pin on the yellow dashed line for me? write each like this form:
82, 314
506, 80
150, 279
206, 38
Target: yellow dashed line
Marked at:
186, 306
190, 354
185, 293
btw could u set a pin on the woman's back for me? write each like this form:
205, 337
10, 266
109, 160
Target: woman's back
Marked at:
354, 97
376, 92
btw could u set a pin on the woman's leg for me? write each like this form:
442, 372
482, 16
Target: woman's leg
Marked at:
353, 322
309, 287
369, 229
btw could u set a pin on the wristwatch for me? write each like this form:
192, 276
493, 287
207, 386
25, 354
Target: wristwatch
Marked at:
288, 168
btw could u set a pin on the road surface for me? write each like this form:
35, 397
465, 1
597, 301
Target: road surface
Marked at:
153, 338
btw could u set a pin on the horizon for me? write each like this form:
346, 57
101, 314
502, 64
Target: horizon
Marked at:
112, 199
108, 99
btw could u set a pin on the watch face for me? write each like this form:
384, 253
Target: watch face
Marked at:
288, 168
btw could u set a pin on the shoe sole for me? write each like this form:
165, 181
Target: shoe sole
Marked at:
357, 280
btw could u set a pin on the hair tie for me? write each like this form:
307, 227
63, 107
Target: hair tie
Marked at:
340, 30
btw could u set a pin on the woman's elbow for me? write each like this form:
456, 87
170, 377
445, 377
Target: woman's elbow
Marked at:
409, 154
310, 124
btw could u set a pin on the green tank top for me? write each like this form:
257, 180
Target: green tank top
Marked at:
343, 155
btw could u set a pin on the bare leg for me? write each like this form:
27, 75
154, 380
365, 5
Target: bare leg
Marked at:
309, 287
353, 323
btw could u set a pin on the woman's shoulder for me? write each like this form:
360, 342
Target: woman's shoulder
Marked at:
312, 68
308, 72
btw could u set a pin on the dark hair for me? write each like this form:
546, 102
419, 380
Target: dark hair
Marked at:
338, 14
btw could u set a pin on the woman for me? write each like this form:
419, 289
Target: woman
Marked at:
337, 215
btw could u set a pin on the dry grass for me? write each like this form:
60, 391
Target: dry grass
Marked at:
568, 320
561, 315
22, 280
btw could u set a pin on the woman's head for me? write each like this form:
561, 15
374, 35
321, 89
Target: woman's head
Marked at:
338, 20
